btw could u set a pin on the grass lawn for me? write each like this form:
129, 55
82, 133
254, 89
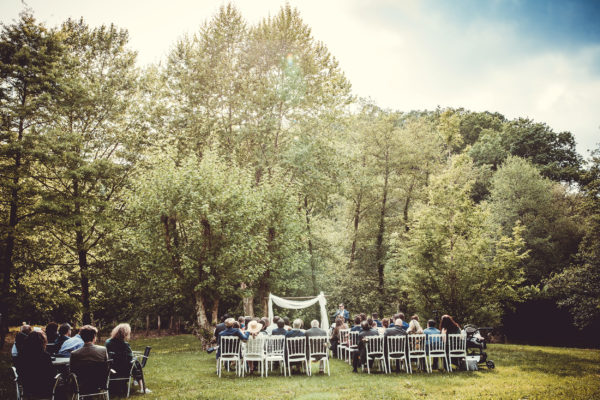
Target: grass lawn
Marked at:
179, 369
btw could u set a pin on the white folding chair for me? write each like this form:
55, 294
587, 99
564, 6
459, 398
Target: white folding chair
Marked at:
18, 387
342, 343
374, 351
254, 351
436, 348
396, 350
352, 345
296, 352
318, 351
229, 351
275, 352
416, 349
457, 347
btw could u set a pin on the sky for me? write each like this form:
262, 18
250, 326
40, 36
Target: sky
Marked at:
522, 58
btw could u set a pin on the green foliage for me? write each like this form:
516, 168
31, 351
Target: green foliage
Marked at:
455, 260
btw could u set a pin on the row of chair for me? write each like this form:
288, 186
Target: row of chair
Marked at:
267, 350
404, 349
91, 379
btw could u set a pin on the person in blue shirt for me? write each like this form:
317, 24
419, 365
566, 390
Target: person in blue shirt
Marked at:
231, 331
343, 312
375, 317
70, 345
431, 330
356, 327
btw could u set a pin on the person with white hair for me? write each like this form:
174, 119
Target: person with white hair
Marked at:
314, 331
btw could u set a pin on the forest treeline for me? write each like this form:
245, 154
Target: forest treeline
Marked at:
242, 165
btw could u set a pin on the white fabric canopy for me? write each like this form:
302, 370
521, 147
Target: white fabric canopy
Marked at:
296, 305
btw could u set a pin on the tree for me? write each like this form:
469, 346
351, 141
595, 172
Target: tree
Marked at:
519, 194
578, 286
455, 254
29, 63
92, 145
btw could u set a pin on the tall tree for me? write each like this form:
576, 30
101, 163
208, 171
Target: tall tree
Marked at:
91, 146
29, 58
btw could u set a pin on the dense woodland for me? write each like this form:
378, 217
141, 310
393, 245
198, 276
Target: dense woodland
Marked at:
243, 165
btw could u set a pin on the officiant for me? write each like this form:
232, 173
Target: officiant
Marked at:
343, 312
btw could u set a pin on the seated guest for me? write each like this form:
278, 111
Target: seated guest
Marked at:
70, 345
414, 327
273, 326
375, 318
64, 334
265, 324
247, 320
87, 355
314, 331
404, 323
220, 327
431, 330
231, 331
448, 327
414, 317
51, 332
287, 325
254, 330
356, 326
359, 357
396, 330
363, 316
280, 330
24, 331
241, 321
121, 354
36, 370
296, 330
335, 334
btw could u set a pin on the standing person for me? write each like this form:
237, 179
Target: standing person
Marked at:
343, 312
122, 356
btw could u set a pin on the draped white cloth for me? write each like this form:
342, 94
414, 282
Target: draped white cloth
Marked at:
296, 305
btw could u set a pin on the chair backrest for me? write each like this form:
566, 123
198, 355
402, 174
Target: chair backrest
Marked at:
229, 346
436, 343
457, 343
51, 348
374, 345
255, 346
120, 362
275, 346
145, 356
296, 347
343, 335
318, 346
353, 339
416, 344
396, 345
92, 376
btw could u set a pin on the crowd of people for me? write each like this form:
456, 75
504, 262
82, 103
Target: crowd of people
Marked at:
35, 349
246, 328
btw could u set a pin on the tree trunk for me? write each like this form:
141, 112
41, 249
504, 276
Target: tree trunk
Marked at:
355, 235
147, 324
215, 312
310, 248
158, 323
201, 320
247, 302
171, 324
379, 242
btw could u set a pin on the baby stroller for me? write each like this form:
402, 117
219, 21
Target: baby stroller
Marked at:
476, 344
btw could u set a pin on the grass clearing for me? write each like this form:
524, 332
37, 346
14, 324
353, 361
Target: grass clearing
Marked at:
179, 369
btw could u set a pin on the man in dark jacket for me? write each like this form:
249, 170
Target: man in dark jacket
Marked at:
312, 332
361, 355
280, 330
64, 334
396, 330
231, 331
